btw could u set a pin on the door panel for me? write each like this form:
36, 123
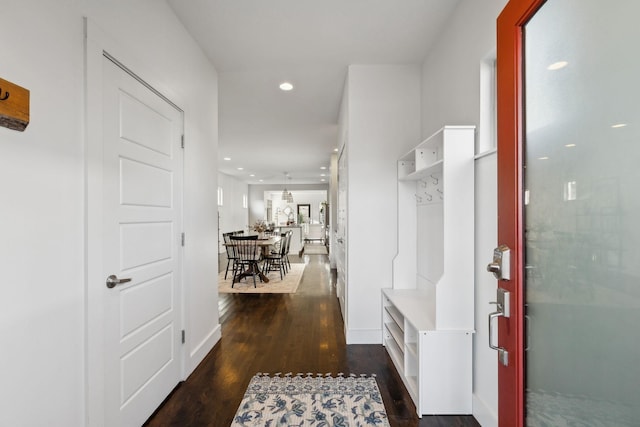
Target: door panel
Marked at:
142, 124
143, 303
582, 290
145, 185
568, 132
142, 170
145, 243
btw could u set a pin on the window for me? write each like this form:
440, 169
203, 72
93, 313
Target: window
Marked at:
487, 134
245, 201
220, 196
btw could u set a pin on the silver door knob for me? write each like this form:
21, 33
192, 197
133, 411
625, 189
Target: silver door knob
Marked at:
494, 268
113, 280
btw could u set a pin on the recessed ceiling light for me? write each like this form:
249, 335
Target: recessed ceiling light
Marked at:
335, 150
252, 175
322, 180
570, 145
557, 65
286, 86
322, 174
323, 167
260, 180
619, 125
227, 158
240, 169
543, 158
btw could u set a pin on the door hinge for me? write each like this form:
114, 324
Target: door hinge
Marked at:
182, 141
183, 337
182, 239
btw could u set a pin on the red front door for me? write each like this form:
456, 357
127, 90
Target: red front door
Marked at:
510, 54
568, 132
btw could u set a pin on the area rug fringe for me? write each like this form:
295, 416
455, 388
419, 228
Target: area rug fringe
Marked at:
311, 374
313, 383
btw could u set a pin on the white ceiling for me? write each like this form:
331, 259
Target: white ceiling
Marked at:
257, 44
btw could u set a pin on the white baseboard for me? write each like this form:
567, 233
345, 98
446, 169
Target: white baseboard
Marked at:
203, 348
483, 414
364, 336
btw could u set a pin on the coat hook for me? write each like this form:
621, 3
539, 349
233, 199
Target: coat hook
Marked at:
6, 95
435, 180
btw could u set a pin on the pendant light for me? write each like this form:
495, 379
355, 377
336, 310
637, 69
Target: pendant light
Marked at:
286, 195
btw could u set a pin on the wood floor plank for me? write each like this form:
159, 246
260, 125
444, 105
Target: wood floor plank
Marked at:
298, 333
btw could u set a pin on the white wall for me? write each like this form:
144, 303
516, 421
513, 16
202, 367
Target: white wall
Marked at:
42, 219
450, 96
233, 216
383, 122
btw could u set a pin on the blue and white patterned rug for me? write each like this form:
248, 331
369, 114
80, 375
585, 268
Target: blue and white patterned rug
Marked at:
311, 401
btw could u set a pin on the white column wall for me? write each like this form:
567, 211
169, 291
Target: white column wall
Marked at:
383, 120
451, 95
42, 219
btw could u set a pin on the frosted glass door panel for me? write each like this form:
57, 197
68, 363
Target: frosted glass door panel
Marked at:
582, 214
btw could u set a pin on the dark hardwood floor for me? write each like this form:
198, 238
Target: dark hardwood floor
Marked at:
270, 333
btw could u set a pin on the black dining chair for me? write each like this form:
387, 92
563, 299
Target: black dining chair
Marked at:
231, 253
247, 257
286, 253
276, 260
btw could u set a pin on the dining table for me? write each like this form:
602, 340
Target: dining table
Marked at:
264, 242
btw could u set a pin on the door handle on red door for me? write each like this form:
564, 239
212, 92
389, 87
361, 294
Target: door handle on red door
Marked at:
501, 265
503, 310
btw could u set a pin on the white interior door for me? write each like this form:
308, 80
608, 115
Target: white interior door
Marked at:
142, 191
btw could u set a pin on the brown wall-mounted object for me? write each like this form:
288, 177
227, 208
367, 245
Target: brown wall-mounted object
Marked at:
14, 106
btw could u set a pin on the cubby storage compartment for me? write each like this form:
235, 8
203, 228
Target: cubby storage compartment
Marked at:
435, 366
427, 158
393, 330
428, 315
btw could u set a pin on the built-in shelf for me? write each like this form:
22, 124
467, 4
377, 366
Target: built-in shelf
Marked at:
428, 361
434, 168
396, 333
394, 351
396, 316
428, 315
412, 348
